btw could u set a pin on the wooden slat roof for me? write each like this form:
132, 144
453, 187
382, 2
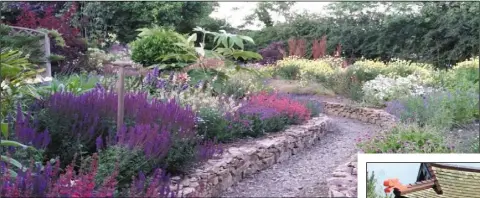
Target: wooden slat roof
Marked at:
448, 181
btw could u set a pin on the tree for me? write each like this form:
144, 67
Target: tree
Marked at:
124, 18
263, 12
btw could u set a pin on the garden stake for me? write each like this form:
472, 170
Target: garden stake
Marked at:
121, 93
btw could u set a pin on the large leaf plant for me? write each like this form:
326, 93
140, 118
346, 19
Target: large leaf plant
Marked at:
228, 48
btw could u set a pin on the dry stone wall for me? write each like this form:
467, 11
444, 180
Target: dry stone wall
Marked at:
343, 182
216, 175
372, 116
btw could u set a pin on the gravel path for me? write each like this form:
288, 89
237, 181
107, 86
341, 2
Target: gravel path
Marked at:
305, 175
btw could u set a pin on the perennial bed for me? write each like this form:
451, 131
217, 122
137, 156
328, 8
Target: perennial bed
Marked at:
220, 173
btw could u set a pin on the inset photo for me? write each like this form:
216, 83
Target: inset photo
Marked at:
419, 175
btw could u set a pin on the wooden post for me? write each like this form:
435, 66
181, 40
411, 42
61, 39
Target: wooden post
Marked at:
47, 56
121, 93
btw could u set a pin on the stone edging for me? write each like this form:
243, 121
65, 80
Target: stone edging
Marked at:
343, 182
368, 115
216, 175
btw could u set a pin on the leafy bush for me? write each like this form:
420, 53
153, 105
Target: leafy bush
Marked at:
155, 43
272, 53
213, 125
24, 43
258, 120
382, 88
317, 70
129, 163
406, 139
314, 107
476, 146
242, 83
288, 72
16, 73
97, 57
75, 83
366, 70
440, 109
403, 68
468, 70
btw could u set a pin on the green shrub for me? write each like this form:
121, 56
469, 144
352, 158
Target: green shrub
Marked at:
288, 72
257, 127
23, 42
427, 111
406, 139
314, 107
441, 109
308, 70
276, 124
476, 145
338, 81
180, 157
372, 187
130, 163
213, 125
468, 70
154, 43
242, 83
405, 68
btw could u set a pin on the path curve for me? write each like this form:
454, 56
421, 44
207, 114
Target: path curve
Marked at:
306, 174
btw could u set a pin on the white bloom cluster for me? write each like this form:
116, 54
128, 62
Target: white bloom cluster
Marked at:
383, 88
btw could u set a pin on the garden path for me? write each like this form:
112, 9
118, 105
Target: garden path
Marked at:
306, 174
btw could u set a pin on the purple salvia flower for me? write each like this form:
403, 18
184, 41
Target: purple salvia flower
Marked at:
170, 78
156, 72
99, 143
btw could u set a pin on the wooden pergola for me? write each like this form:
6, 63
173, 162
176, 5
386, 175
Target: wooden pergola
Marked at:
436, 180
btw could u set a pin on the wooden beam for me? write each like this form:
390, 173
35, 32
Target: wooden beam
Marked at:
121, 93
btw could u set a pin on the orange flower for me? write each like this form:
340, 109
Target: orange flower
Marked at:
393, 183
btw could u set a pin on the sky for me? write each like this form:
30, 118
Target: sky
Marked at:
235, 17
405, 172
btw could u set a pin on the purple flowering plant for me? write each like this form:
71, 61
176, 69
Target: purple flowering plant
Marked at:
88, 120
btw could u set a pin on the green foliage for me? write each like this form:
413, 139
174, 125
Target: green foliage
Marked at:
76, 84
14, 71
288, 72
130, 163
442, 110
430, 111
241, 84
124, 18
213, 125
476, 145
4, 144
314, 107
228, 47
180, 156
25, 43
372, 187
406, 139
154, 43
439, 33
